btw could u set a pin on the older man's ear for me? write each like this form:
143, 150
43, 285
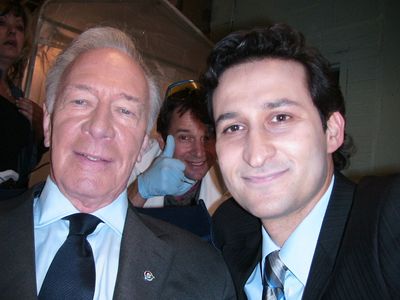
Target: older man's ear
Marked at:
143, 149
46, 126
160, 141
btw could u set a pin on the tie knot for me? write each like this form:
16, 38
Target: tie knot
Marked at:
275, 270
82, 224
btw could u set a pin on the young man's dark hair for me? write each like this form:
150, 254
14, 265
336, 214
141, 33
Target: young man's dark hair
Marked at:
280, 41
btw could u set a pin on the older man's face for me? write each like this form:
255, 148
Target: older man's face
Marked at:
97, 129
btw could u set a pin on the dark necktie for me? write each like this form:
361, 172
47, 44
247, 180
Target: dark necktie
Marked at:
72, 273
274, 276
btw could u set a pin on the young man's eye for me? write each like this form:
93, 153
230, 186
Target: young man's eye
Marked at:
232, 128
281, 118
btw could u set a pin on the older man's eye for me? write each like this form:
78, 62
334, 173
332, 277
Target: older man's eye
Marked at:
79, 102
125, 111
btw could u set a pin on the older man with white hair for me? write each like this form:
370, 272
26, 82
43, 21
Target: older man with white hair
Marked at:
76, 237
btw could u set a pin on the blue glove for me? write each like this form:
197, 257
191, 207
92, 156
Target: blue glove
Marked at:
165, 176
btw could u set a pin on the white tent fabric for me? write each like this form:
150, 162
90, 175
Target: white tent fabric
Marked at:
173, 47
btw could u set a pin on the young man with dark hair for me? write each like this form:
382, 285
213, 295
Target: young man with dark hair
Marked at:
296, 230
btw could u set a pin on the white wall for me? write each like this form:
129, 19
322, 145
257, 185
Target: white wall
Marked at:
362, 37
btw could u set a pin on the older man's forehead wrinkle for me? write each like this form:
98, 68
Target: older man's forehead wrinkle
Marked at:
85, 87
80, 86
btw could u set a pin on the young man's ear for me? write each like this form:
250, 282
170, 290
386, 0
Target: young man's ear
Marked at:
335, 131
46, 126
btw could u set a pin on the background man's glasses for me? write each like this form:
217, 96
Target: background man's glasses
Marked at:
181, 85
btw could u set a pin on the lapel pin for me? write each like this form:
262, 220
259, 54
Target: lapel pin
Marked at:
148, 276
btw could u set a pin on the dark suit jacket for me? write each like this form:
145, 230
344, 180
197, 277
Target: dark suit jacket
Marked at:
184, 266
358, 250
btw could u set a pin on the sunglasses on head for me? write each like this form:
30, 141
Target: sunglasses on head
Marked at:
181, 85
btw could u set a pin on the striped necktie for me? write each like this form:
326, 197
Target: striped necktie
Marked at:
274, 276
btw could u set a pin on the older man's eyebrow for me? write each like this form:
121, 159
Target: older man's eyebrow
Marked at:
128, 97
93, 91
82, 87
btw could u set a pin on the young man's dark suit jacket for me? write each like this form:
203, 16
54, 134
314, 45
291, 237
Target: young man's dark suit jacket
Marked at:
184, 267
358, 250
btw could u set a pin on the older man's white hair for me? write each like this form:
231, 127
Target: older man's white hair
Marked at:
95, 38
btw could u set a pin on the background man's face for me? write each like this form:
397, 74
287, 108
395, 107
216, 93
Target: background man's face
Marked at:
193, 144
271, 147
97, 128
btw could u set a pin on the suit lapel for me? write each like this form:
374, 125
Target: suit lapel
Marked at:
330, 237
142, 251
242, 249
17, 255
243, 257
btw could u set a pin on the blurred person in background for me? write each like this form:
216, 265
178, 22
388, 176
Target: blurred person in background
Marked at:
20, 118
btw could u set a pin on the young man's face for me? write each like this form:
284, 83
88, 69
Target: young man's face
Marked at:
273, 152
193, 144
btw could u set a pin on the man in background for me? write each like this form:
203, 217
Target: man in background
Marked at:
186, 170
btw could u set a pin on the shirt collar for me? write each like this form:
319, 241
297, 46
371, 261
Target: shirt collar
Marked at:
52, 206
303, 240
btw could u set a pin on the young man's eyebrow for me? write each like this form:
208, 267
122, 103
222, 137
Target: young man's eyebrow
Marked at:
279, 103
225, 116
266, 105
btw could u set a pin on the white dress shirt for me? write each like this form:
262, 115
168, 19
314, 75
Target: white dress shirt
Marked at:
51, 232
296, 253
